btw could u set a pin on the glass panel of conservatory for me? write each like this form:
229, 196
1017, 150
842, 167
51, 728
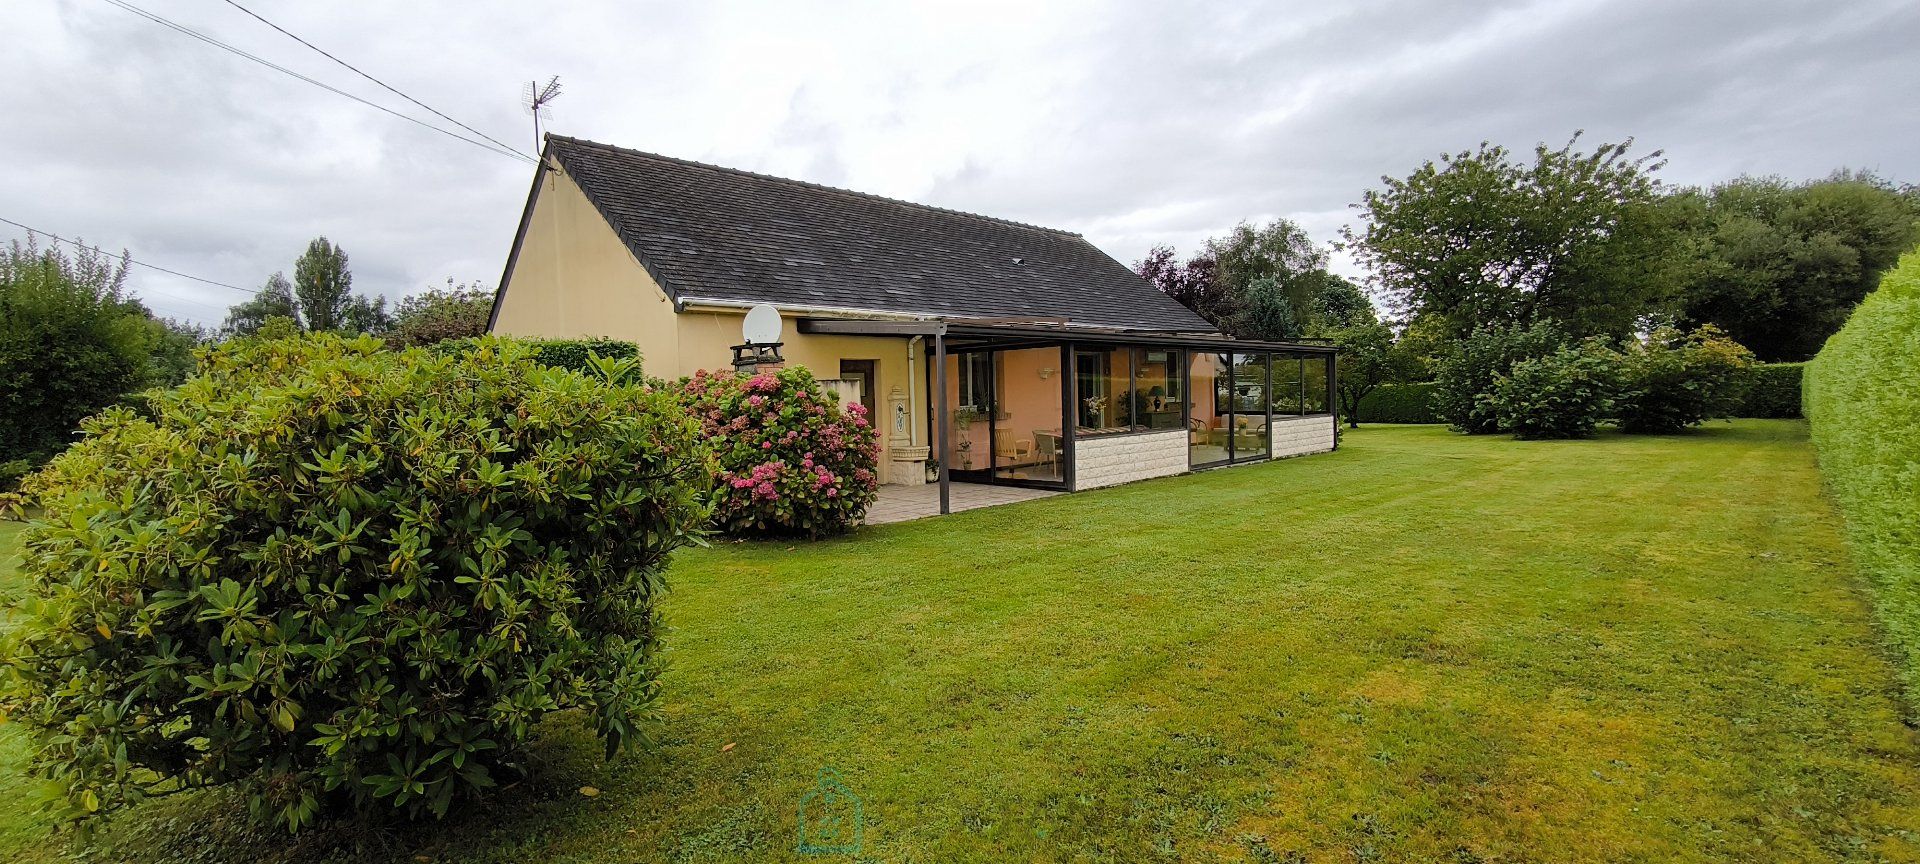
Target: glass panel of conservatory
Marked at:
1209, 407
1102, 383
1026, 418
1156, 389
1250, 432
1314, 372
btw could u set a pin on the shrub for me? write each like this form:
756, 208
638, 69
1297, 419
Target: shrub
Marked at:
574, 354
1400, 403
1564, 394
1472, 368
1775, 392
1863, 403
791, 459
1670, 380
72, 342
348, 579
437, 314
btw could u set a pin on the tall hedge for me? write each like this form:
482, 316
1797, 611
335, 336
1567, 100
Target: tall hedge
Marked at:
347, 579
1775, 392
1863, 400
1400, 403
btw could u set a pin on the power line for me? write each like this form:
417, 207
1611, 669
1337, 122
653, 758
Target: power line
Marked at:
356, 71
335, 90
76, 244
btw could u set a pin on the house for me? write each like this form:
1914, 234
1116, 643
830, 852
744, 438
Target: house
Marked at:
1052, 365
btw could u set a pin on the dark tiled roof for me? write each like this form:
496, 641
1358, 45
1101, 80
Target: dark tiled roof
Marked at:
718, 233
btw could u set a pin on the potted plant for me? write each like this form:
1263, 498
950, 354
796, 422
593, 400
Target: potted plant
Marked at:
963, 419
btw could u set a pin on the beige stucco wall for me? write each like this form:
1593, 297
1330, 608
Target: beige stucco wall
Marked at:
575, 278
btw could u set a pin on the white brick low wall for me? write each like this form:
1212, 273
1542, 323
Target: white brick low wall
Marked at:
1123, 459
1302, 435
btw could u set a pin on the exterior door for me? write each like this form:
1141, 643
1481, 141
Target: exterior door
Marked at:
863, 371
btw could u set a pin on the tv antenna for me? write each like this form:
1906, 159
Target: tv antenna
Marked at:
539, 102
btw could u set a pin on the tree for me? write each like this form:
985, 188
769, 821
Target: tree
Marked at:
455, 312
1367, 360
1192, 284
1780, 266
1269, 265
361, 315
171, 360
72, 342
323, 285
1478, 238
1264, 312
274, 299
1369, 356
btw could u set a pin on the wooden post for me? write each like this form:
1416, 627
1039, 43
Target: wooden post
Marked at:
941, 424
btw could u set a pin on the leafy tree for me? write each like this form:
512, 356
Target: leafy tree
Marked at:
365, 316
1193, 283
1779, 266
1263, 311
172, 358
1367, 360
72, 341
455, 312
1261, 268
275, 299
323, 285
1341, 303
1479, 238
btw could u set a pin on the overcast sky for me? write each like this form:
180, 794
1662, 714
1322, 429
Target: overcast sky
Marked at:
1133, 123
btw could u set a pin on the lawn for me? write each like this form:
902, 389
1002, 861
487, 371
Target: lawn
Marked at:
1424, 647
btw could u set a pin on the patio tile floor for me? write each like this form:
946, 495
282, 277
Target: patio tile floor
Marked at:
903, 503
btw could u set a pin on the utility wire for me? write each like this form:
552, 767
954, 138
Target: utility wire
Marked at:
356, 71
76, 244
277, 67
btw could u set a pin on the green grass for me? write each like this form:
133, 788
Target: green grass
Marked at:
1424, 647
1863, 399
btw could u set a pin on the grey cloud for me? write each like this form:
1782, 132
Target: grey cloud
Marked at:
1135, 123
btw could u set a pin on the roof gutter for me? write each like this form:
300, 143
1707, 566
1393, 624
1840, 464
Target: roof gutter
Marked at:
715, 304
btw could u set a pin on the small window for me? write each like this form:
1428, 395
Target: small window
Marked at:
976, 381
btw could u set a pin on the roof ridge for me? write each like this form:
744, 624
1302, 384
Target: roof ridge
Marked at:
819, 186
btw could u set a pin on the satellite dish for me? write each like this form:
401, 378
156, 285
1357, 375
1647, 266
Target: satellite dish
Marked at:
762, 326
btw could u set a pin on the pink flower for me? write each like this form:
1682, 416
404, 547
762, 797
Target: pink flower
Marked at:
766, 445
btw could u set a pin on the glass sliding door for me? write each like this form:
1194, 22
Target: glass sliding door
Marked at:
1251, 415
970, 398
1027, 429
1209, 410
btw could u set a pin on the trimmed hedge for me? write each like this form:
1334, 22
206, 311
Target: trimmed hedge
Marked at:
1400, 403
1863, 400
1775, 394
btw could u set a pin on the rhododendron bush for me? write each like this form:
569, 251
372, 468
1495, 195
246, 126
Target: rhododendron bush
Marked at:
792, 459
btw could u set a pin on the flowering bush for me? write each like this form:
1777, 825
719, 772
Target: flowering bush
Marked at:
792, 460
